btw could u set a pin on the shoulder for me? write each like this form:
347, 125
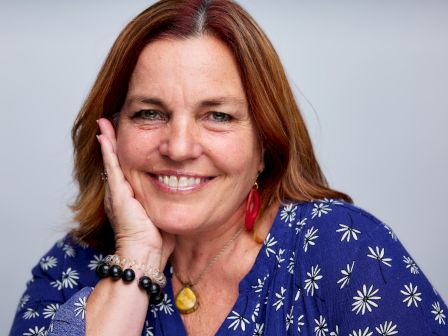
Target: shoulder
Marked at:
66, 267
332, 221
67, 251
329, 236
354, 265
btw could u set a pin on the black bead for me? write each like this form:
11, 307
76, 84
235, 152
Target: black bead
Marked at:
144, 282
103, 270
154, 289
115, 272
157, 298
128, 275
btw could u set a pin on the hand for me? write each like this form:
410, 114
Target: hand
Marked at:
136, 237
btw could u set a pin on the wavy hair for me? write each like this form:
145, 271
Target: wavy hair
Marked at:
291, 170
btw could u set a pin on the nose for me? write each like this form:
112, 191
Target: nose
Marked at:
181, 140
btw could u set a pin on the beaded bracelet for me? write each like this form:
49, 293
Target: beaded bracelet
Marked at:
111, 266
153, 273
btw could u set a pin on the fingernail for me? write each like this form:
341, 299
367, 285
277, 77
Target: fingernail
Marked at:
97, 137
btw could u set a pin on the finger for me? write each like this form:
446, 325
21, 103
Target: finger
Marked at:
115, 177
108, 130
108, 202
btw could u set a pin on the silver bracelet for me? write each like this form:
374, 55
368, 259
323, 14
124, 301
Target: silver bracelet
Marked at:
153, 273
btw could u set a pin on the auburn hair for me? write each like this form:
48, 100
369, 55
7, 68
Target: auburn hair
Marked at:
291, 171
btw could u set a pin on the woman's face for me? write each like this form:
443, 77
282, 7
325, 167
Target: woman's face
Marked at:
185, 140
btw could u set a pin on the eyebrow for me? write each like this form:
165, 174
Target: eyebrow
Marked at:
210, 102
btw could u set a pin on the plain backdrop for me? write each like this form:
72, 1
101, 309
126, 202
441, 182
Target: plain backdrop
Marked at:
371, 78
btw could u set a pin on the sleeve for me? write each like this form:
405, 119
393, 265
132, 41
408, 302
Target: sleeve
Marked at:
70, 317
370, 283
54, 289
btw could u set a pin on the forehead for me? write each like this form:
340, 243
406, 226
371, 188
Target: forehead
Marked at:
195, 67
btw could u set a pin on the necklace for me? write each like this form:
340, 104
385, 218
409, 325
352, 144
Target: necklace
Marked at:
186, 299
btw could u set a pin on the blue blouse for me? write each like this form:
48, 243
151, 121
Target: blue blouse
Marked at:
326, 268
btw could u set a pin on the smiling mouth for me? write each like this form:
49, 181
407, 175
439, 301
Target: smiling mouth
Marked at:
181, 182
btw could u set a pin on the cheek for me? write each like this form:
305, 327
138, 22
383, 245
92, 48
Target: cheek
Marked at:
131, 151
237, 155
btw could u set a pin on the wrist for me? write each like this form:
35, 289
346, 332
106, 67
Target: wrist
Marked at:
140, 256
127, 269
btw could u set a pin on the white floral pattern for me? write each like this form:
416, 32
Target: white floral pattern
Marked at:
291, 263
69, 250
270, 242
30, 313
36, 331
378, 254
346, 275
80, 307
438, 312
50, 310
149, 331
300, 224
289, 320
411, 295
238, 321
300, 323
411, 265
280, 298
365, 332
258, 331
310, 237
166, 306
313, 278
321, 328
320, 209
48, 262
387, 329
93, 264
348, 232
365, 300
288, 213
316, 255
23, 301
280, 257
335, 332
255, 313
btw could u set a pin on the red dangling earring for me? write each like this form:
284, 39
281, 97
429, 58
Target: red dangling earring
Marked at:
252, 207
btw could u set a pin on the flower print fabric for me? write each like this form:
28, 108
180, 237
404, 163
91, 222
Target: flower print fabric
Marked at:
326, 268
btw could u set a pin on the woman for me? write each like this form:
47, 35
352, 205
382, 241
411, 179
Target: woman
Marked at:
202, 156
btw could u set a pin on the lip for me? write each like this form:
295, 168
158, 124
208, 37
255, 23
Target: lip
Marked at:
179, 190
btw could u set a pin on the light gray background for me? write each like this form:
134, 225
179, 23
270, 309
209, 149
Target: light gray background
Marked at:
371, 78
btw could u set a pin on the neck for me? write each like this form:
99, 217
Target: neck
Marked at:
192, 253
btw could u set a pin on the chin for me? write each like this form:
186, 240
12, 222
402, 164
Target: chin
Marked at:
179, 228
175, 222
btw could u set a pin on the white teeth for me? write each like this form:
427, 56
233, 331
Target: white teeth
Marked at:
179, 182
172, 182
182, 182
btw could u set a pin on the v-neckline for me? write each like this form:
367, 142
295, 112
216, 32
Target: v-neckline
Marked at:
262, 265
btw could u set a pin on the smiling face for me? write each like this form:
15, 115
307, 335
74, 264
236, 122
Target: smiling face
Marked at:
185, 140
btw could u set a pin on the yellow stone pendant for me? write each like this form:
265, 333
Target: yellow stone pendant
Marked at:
186, 300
